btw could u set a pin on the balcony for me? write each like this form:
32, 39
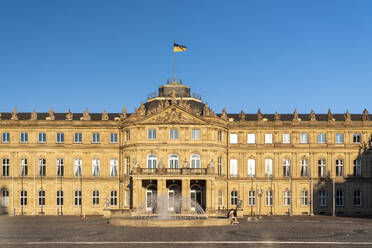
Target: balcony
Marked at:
173, 171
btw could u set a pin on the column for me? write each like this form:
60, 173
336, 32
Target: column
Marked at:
136, 192
208, 192
185, 194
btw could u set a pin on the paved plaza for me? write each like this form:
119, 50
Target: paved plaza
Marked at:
69, 231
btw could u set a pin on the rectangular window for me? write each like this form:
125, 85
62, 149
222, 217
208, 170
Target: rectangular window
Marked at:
339, 167
95, 168
96, 138
233, 168
268, 138
60, 137
24, 138
321, 138
251, 168
113, 138
339, 198
219, 164
59, 198
42, 138
151, 134
127, 135
287, 198
304, 197
127, 165
41, 198
321, 168
251, 139
78, 137
357, 198
77, 167
322, 198
219, 135
42, 167
339, 138
304, 138
173, 134
114, 198
234, 198
113, 167
286, 138
233, 138
220, 198
195, 134
60, 168
23, 198
252, 198
268, 167
23, 167
5, 198
269, 198
5, 167
304, 167
95, 198
357, 169
356, 138
77, 198
5, 137
286, 168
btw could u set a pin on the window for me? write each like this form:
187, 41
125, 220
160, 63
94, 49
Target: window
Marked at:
77, 167
24, 137
356, 138
113, 138
268, 138
4, 198
195, 134
304, 197
322, 168
60, 167
5, 138
127, 197
127, 165
357, 169
286, 138
151, 134
42, 138
113, 167
339, 138
24, 167
5, 167
113, 198
304, 138
151, 161
173, 134
304, 167
78, 137
60, 137
321, 138
322, 198
357, 198
23, 198
42, 167
195, 161
77, 198
269, 198
95, 167
96, 138
234, 197
339, 167
251, 167
268, 167
59, 198
233, 168
220, 198
286, 167
287, 198
41, 198
252, 198
251, 139
219, 135
127, 135
95, 198
219, 162
339, 198
233, 138
173, 161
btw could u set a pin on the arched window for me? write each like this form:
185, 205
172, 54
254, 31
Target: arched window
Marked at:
251, 167
286, 167
151, 161
304, 167
24, 167
195, 161
174, 161
268, 167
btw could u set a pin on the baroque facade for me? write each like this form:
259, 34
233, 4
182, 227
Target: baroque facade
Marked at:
175, 145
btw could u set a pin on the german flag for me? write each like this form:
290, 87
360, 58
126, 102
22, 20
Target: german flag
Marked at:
178, 48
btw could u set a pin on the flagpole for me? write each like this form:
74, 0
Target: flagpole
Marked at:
174, 64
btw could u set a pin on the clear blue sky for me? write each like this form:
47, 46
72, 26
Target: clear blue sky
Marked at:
276, 55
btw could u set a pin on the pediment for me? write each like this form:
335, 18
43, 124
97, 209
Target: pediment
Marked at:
173, 115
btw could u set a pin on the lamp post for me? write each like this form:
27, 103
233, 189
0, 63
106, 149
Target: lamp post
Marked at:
259, 194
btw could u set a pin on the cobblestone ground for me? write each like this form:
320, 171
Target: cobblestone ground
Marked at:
48, 231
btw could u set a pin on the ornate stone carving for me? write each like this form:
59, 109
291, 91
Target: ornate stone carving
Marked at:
69, 115
161, 164
135, 164
34, 115
141, 111
166, 104
211, 164
206, 110
242, 116
172, 117
86, 115
329, 115
50, 116
224, 114
124, 113
14, 114
365, 115
259, 115
173, 95
295, 115
347, 116
312, 116
185, 164
0, 116
105, 116
277, 116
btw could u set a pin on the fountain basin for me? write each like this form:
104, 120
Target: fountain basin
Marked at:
154, 222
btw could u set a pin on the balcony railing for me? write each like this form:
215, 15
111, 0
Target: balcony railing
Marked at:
174, 171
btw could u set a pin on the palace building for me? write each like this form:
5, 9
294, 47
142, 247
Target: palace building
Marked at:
175, 145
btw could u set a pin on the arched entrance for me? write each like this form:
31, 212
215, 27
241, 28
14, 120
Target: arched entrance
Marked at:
174, 203
196, 195
151, 196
